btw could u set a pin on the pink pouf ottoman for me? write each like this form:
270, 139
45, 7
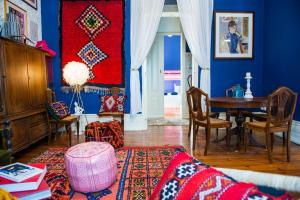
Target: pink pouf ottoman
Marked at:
91, 166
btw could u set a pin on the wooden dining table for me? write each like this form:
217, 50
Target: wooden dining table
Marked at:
240, 105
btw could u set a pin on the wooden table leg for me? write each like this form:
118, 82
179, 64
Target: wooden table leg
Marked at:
77, 125
49, 133
69, 132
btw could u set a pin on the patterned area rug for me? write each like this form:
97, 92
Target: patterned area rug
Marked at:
139, 170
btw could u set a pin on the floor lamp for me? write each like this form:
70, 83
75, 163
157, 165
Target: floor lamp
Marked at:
76, 74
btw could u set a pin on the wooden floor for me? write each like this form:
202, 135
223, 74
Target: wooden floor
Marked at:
219, 155
172, 112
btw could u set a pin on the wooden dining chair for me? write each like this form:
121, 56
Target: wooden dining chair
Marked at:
202, 118
212, 115
66, 122
280, 112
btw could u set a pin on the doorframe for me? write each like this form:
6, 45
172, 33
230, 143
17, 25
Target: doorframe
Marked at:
183, 112
183, 83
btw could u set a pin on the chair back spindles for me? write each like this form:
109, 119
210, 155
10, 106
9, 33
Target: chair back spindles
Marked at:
195, 96
50, 96
281, 107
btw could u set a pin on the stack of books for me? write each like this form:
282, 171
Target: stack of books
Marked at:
25, 181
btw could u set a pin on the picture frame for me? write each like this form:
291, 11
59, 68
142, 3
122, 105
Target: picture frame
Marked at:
32, 3
234, 34
20, 13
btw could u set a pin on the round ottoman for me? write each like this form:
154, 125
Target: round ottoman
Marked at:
91, 166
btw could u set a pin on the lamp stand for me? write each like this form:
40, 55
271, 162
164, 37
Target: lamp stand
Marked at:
77, 96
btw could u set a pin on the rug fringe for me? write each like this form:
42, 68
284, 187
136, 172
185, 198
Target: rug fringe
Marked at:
92, 89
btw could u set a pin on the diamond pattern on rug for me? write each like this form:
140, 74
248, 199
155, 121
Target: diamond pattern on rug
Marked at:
91, 55
92, 22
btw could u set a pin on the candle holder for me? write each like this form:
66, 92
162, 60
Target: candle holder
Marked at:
248, 93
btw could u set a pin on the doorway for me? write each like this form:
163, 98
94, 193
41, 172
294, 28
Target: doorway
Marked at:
172, 77
161, 108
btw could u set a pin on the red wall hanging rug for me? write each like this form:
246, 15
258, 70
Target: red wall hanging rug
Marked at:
92, 32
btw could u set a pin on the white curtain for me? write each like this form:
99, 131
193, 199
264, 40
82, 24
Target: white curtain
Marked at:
145, 17
196, 19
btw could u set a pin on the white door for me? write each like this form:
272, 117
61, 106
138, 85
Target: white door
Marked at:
155, 78
184, 78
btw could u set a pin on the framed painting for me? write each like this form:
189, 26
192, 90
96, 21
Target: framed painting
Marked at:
19, 14
32, 3
234, 35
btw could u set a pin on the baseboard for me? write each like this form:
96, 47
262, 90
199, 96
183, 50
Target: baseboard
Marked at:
135, 122
295, 132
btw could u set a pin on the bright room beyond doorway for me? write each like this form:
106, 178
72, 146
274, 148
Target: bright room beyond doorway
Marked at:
172, 77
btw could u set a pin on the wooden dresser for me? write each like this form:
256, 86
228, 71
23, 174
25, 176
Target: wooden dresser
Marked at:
23, 83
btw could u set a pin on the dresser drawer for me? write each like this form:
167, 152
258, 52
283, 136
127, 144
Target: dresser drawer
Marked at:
37, 132
38, 119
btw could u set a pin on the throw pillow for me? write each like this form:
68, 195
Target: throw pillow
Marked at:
58, 110
112, 104
187, 178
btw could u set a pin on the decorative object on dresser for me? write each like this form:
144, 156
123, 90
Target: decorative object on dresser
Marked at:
60, 117
23, 84
16, 22
92, 32
99, 163
201, 118
280, 112
44, 46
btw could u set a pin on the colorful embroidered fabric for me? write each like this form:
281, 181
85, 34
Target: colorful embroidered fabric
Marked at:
139, 171
187, 178
93, 33
110, 132
112, 104
58, 110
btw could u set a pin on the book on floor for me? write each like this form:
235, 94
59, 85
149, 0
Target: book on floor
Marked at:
31, 183
42, 192
19, 172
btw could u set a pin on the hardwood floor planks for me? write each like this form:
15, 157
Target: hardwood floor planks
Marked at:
218, 155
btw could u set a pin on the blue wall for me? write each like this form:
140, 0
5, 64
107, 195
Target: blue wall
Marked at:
172, 52
51, 33
224, 72
282, 46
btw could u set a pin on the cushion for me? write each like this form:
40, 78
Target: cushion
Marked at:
58, 110
187, 178
112, 103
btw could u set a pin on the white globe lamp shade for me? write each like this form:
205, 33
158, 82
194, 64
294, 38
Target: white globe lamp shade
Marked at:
75, 73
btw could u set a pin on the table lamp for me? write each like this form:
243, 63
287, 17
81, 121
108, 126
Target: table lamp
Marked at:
76, 74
